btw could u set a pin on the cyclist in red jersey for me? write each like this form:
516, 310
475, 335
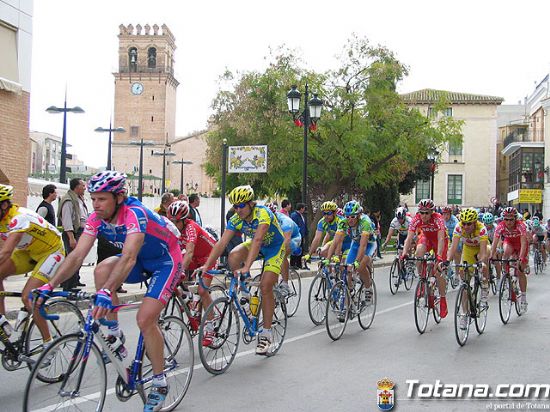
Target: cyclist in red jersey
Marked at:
432, 236
513, 233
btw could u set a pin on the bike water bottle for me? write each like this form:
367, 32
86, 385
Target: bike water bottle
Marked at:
6, 326
21, 317
117, 346
254, 305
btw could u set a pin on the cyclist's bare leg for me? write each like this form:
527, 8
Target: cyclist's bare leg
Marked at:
147, 321
420, 251
364, 273
269, 279
237, 257
41, 323
204, 294
285, 265
6, 269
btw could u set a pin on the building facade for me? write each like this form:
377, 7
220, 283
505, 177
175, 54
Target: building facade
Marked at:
465, 174
15, 89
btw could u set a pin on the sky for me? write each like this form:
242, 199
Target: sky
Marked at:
484, 47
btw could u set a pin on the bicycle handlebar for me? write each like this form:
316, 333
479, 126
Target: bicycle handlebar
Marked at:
422, 258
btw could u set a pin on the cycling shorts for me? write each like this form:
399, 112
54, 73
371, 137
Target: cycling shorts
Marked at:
515, 244
43, 266
273, 257
354, 249
431, 244
164, 273
469, 254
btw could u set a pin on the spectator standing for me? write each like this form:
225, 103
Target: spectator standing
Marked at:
184, 197
72, 215
376, 220
194, 202
286, 207
526, 214
165, 201
299, 217
538, 214
45, 209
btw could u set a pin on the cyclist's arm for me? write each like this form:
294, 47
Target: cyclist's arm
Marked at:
326, 239
362, 246
130, 251
524, 246
74, 260
219, 247
336, 245
315, 242
255, 246
441, 235
390, 234
482, 254
188, 256
454, 247
9, 246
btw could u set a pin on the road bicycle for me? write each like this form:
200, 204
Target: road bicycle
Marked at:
537, 259
401, 272
23, 347
78, 364
468, 305
426, 296
225, 314
292, 299
349, 298
509, 291
321, 284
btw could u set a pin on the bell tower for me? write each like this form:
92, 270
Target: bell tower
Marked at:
145, 102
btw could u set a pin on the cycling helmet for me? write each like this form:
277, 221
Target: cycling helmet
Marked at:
340, 212
488, 218
447, 209
6, 192
352, 208
241, 194
329, 207
107, 181
426, 204
536, 222
510, 212
178, 210
468, 215
400, 213
480, 216
272, 206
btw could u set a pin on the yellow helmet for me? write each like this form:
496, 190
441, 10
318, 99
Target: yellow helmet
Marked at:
329, 207
468, 215
6, 192
241, 194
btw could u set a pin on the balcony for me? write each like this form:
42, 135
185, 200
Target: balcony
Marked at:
145, 69
524, 135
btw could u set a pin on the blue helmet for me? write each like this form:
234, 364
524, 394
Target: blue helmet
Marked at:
352, 208
488, 218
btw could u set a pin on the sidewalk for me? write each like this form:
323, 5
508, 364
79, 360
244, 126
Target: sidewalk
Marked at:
135, 291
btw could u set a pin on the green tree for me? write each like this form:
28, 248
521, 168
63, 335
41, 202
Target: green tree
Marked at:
367, 136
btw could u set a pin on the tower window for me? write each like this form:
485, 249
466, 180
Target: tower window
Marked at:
152, 118
152, 58
134, 131
132, 60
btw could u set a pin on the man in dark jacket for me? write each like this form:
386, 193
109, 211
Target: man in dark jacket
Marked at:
45, 209
299, 217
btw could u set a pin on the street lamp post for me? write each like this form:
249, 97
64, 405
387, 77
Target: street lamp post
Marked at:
164, 153
141, 143
64, 110
110, 130
182, 162
222, 194
432, 157
308, 119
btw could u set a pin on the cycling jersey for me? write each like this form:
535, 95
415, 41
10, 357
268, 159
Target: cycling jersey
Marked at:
401, 228
538, 230
272, 244
514, 233
473, 239
159, 256
364, 225
450, 225
40, 249
289, 225
203, 241
330, 228
429, 229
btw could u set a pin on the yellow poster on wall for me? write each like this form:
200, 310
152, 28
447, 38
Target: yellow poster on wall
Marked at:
530, 196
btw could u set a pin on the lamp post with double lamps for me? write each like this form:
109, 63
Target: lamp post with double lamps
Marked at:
141, 143
64, 110
182, 162
110, 130
432, 157
164, 153
308, 119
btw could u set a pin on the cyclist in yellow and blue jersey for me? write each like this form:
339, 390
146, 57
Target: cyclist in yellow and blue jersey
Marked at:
265, 236
30, 244
326, 229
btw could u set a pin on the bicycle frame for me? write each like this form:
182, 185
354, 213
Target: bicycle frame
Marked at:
467, 279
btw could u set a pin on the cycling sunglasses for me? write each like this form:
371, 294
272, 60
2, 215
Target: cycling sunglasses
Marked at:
424, 213
328, 213
240, 205
352, 216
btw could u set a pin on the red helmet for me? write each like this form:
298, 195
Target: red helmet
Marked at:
447, 209
510, 212
426, 204
178, 210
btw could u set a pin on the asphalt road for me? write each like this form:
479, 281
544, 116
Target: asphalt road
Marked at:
311, 372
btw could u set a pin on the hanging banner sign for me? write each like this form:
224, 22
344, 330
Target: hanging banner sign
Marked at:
247, 159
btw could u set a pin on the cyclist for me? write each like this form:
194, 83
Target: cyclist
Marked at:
538, 232
432, 237
514, 238
149, 249
474, 234
31, 244
196, 244
489, 222
293, 242
400, 223
264, 234
326, 228
360, 229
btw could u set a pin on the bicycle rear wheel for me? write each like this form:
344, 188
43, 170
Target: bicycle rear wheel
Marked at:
481, 311
537, 258
178, 362
337, 311
293, 299
408, 272
366, 305
218, 356
505, 299
317, 299
395, 276
68, 362
278, 325
462, 315
421, 308
70, 321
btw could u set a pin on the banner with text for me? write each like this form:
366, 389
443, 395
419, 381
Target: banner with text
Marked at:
247, 159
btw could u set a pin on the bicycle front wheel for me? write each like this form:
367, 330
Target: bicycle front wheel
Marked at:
505, 299
421, 307
83, 380
395, 276
408, 273
462, 315
317, 299
178, 362
220, 353
481, 311
293, 299
70, 321
337, 311
366, 305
